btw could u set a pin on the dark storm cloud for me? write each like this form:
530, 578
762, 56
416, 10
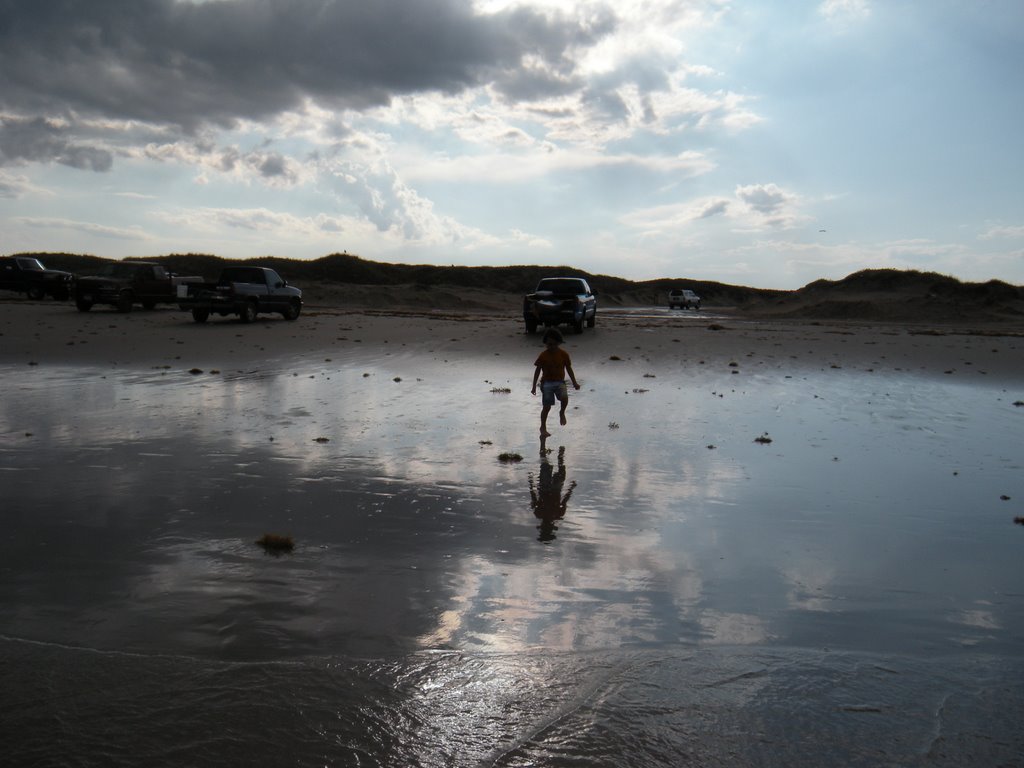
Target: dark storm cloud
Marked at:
189, 64
273, 165
41, 140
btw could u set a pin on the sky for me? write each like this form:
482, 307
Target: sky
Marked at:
767, 144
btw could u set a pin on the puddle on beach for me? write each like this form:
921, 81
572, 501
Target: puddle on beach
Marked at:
651, 569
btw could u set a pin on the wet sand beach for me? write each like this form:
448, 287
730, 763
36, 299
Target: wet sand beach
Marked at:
56, 334
756, 541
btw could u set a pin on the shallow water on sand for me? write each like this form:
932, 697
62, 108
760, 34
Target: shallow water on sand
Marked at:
649, 586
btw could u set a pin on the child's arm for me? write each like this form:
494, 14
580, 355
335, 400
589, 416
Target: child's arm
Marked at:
572, 376
536, 375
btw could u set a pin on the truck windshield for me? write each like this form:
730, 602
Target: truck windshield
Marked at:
30, 265
120, 269
562, 286
243, 275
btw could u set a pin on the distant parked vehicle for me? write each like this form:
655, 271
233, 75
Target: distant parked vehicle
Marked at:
683, 299
26, 274
560, 300
245, 291
123, 284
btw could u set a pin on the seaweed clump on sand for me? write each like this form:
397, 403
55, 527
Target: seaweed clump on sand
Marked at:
275, 544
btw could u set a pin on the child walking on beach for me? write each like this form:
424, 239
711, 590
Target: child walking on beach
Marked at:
551, 366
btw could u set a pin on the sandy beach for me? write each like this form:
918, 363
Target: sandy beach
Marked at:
50, 333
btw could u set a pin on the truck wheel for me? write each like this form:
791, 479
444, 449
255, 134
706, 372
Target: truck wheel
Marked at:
578, 325
248, 313
124, 303
592, 321
291, 312
36, 293
531, 326
200, 315
83, 305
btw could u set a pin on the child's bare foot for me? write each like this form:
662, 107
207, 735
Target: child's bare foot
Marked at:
544, 432
561, 418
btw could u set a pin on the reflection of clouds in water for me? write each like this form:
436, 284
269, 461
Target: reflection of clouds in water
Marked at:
658, 460
978, 618
218, 567
662, 540
809, 581
733, 628
594, 584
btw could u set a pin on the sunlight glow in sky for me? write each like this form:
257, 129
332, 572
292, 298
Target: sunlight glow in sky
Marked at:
763, 144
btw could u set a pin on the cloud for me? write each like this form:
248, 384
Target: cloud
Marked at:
766, 199
268, 166
841, 11
919, 251
96, 230
12, 187
714, 208
135, 196
668, 219
42, 140
503, 167
113, 71
1001, 232
190, 64
348, 231
752, 208
770, 205
518, 237
357, 104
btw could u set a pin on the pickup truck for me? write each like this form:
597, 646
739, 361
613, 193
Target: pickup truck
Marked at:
560, 300
26, 274
244, 291
123, 284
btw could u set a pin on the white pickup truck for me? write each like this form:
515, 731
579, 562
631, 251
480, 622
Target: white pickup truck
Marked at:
683, 298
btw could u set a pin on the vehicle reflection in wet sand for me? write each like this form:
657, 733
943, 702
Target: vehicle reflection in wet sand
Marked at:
547, 499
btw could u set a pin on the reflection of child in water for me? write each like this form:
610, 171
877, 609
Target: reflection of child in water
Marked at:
554, 363
546, 496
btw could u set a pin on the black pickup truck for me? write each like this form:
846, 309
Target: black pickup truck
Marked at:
560, 300
123, 284
244, 291
26, 274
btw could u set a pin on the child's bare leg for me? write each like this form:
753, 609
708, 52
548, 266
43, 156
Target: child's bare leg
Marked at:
561, 412
544, 421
